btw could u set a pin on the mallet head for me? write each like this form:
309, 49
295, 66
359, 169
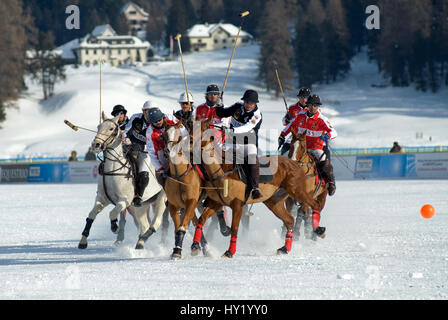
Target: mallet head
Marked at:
243, 14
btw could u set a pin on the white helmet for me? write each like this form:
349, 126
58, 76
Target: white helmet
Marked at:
148, 105
183, 97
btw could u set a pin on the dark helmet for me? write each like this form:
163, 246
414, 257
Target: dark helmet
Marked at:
304, 93
117, 109
212, 88
155, 115
250, 96
137, 124
313, 100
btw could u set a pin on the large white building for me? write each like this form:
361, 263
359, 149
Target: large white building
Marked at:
216, 36
103, 43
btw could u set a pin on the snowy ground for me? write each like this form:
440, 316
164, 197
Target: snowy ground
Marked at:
364, 116
377, 247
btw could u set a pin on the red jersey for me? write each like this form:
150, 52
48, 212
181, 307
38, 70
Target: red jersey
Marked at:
293, 111
315, 127
155, 144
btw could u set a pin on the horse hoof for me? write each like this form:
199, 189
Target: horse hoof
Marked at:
139, 246
118, 243
282, 250
177, 254
195, 249
320, 232
227, 254
82, 245
225, 231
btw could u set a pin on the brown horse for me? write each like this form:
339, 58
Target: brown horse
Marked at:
313, 185
182, 188
288, 179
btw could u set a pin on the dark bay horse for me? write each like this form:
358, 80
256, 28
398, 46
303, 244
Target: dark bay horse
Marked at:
288, 179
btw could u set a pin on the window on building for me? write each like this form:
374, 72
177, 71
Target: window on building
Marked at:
119, 51
224, 40
104, 51
215, 41
129, 51
87, 51
94, 51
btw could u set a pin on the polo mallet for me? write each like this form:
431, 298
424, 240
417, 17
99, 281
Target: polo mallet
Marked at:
101, 62
183, 68
242, 15
280, 85
76, 128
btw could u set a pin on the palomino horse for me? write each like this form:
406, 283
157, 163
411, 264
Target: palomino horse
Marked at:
287, 179
183, 187
116, 186
313, 185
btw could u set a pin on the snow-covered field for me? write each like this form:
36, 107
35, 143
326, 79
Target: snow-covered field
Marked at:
377, 247
364, 116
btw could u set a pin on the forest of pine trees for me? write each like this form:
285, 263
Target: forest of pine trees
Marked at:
311, 41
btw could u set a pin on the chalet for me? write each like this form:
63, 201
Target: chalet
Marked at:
216, 36
103, 44
137, 18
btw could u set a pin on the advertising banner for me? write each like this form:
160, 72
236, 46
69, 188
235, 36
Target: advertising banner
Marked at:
83, 172
13, 173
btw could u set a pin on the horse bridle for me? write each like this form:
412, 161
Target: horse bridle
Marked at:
107, 150
113, 136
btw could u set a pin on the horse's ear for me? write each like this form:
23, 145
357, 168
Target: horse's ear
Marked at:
303, 135
103, 116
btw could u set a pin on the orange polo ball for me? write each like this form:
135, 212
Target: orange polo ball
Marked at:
427, 211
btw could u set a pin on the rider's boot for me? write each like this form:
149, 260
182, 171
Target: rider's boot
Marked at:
140, 186
254, 170
326, 169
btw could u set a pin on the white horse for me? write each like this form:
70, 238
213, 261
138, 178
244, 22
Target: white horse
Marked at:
116, 186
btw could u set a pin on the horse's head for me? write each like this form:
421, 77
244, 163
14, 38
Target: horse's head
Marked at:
107, 132
172, 135
298, 145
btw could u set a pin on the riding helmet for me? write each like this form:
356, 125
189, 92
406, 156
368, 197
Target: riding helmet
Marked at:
304, 93
117, 109
183, 97
250, 96
212, 88
313, 100
148, 105
155, 115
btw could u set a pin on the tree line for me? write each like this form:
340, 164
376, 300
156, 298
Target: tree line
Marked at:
310, 41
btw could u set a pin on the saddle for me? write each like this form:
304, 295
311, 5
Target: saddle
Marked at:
265, 173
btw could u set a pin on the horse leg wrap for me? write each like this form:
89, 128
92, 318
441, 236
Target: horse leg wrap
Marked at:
114, 226
288, 240
147, 234
179, 238
86, 230
198, 233
316, 219
232, 246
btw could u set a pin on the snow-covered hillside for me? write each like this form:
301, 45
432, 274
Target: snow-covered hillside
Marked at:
364, 116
